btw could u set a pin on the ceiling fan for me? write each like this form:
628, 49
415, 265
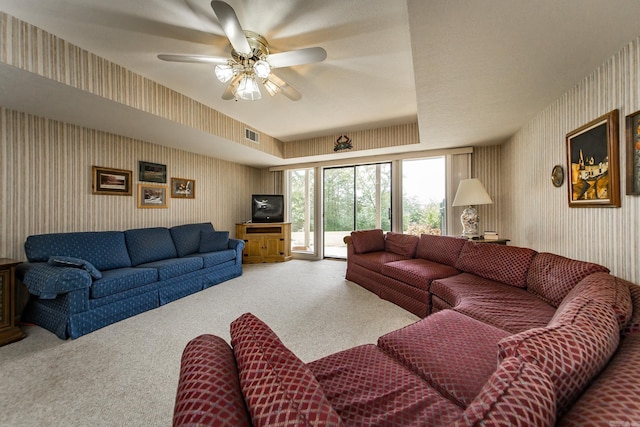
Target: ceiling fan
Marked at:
251, 64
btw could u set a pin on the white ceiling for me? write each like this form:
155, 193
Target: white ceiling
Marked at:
472, 72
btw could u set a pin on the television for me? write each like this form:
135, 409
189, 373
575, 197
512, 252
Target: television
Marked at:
267, 208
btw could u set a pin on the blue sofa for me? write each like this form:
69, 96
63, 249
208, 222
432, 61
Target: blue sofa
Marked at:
84, 281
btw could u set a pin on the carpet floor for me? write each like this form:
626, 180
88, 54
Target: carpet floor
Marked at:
126, 374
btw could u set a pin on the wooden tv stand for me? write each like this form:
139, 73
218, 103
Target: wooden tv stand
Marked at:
265, 242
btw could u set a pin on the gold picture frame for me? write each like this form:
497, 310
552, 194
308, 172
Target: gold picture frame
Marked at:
110, 181
183, 188
593, 164
152, 196
633, 154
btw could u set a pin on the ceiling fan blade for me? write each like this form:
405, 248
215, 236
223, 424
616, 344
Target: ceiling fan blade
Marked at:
231, 26
297, 57
202, 59
286, 89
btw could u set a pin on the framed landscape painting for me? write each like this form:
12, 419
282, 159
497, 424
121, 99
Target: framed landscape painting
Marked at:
152, 196
152, 172
111, 181
592, 163
633, 154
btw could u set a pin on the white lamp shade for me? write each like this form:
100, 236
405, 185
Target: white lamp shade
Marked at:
471, 192
224, 72
271, 87
248, 89
262, 69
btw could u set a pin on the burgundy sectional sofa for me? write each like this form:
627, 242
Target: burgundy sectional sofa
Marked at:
515, 338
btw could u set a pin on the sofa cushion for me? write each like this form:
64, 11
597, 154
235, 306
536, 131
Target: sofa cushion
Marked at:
186, 238
612, 398
104, 249
441, 249
551, 276
213, 241
504, 306
367, 241
375, 260
209, 389
212, 259
68, 261
506, 264
369, 388
572, 353
401, 244
122, 279
605, 288
149, 244
517, 394
454, 353
633, 325
417, 272
174, 267
279, 388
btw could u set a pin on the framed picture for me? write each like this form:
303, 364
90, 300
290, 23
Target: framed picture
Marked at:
633, 154
183, 188
152, 172
111, 181
152, 196
592, 163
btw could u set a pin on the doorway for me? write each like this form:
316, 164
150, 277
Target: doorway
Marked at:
355, 198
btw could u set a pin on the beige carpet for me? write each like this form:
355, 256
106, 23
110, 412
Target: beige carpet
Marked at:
126, 374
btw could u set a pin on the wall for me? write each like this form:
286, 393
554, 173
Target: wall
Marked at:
536, 214
46, 180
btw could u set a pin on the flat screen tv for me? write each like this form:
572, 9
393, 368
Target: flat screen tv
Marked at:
267, 208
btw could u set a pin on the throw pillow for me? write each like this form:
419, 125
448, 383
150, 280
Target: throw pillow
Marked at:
213, 241
67, 261
401, 244
367, 241
278, 387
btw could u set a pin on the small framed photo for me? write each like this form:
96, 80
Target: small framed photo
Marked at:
592, 163
633, 154
111, 181
182, 188
152, 172
152, 196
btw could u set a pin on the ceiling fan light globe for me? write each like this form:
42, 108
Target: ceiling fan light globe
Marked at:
262, 69
271, 87
224, 72
248, 89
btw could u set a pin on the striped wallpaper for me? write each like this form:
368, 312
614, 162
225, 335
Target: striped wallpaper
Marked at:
536, 214
46, 180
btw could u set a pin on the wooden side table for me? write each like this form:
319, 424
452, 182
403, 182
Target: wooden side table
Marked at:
498, 241
9, 332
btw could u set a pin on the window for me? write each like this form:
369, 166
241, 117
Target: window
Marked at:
423, 196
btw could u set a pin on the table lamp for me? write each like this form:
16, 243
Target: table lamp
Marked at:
470, 192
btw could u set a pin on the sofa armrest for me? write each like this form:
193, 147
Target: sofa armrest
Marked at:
236, 244
209, 387
48, 281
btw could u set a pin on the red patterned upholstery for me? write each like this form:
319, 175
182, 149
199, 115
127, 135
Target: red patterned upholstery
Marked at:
406, 296
209, 388
441, 249
367, 241
454, 353
506, 264
369, 388
418, 272
573, 353
279, 388
551, 276
612, 399
375, 260
503, 306
401, 244
517, 394
606, 288
633, 326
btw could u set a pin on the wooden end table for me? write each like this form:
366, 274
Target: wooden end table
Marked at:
9, 332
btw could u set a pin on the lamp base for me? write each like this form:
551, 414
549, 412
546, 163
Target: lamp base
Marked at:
470, 220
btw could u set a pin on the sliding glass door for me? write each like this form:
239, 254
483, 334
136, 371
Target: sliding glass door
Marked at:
355, 198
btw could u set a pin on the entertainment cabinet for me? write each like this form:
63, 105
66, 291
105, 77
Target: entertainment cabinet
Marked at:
265, 242
9, 332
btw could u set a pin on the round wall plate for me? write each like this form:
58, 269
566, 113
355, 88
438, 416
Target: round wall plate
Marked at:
557, 175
